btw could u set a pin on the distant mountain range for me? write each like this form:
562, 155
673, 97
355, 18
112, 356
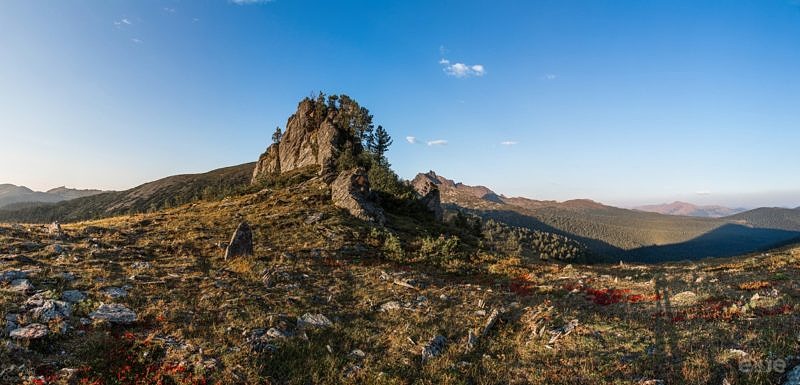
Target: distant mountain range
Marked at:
622, 234
690, 210
163, 193
11, 194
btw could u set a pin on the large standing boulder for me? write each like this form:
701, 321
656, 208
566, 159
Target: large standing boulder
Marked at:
350, 191
429, 195
241, 242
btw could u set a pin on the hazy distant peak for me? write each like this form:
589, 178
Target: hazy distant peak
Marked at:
690, 210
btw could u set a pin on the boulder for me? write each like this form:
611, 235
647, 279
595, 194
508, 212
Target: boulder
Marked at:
46, 310
350, 191
21, 285
30, 332
429, 195
115, 313
311, 321
73, 296
241, 243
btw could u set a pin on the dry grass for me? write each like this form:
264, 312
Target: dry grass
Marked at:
197, 312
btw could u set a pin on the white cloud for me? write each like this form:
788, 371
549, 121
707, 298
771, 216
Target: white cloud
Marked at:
137, 41
122, 22
412, 139
248, 2
437, 142
461, 70
168, 9
508, 143
550, 76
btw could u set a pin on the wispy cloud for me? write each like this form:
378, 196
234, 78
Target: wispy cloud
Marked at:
461, 70
123, 21
249, 2
412, 139
508, 143
137, 40
703, 192
169, 10
549, 76
437, 142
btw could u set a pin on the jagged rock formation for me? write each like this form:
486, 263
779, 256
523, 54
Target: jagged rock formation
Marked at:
350, 191
241, 242
426, 185
313, 137
319, 135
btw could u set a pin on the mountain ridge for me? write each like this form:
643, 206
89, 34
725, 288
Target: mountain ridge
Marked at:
12, 194
690, 210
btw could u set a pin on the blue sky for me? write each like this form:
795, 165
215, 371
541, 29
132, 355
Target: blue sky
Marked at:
624, 102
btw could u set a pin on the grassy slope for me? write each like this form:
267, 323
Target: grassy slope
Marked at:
167, 192
196, 311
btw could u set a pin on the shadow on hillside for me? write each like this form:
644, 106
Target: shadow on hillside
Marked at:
725, 241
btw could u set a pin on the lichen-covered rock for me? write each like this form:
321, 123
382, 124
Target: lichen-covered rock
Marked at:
21, 285
114, 313
30, 332
310, 321
350, 191
241, 243
73, 296
46, 310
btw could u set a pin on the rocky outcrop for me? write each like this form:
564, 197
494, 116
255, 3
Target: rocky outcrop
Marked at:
350, 191
241, 242
428, 189
312, 138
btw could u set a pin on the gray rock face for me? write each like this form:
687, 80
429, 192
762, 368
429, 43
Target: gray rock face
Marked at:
30, 332
429, 194
312, 138
73, 296
311, 321
241, 243
114, 313
350, 191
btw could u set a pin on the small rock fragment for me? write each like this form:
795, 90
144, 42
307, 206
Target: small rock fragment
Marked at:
114, 313
309, 321
389, 306
434, 347
30, 332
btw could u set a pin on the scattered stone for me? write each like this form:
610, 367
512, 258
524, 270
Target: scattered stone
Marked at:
21, 285
73, 296
54, 249
55, 230
434, 347
314, 218
310, 321
562, 331
115, 292
358, 354
241, 243
30, 332
114, 313
140, 265
275, 333
390, 306
11, 275
46, 310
